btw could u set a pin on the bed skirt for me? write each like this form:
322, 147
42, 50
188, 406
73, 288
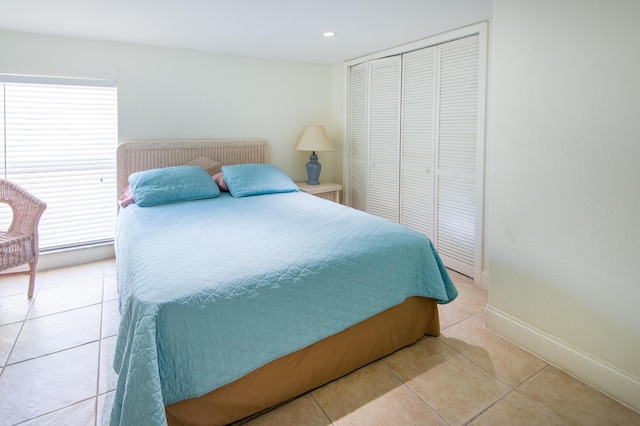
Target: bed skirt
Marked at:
311, 367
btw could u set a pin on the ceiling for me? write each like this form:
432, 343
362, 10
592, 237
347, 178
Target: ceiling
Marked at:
287, 30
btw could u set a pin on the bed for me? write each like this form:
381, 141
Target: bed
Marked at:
235, 303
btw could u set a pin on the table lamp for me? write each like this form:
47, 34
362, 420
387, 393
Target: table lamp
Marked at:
314, 139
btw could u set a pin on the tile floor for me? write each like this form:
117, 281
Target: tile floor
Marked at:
56, 350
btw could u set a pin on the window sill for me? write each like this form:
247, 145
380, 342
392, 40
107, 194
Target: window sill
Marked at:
63, 258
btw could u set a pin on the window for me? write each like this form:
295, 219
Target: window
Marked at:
59, 139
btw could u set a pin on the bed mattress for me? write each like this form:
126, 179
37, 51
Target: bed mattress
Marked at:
311, 367
212, 290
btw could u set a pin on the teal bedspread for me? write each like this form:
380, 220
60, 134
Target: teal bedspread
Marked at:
213, 289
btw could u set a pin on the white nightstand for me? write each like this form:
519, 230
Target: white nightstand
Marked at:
326, 190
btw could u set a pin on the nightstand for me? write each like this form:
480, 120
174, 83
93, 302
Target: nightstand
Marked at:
326, 190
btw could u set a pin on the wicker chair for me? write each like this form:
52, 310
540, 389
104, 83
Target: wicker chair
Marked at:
19, 244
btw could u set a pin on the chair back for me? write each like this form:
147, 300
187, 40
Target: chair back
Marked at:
27, 208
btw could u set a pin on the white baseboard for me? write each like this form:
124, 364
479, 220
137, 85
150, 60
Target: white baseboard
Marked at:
606, 378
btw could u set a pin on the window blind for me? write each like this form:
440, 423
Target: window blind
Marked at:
59, 143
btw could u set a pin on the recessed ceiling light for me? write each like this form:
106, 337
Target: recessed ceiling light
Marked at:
328, 34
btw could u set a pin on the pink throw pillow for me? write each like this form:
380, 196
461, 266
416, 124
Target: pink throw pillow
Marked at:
219, 180
126, 198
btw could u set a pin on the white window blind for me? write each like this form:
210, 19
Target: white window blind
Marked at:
59, 143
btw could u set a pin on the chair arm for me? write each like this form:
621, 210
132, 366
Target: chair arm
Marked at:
27, 211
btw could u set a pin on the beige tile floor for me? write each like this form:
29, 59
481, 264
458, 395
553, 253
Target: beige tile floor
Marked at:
56, 352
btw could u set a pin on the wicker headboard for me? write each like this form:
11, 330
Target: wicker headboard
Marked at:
134, 156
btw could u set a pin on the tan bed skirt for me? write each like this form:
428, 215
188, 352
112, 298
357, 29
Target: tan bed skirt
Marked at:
311, 367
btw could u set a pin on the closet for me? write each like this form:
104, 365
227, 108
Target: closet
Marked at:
415, 133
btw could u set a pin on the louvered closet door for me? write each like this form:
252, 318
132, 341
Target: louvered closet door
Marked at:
456, 154
359, 130
384, 136
417, 140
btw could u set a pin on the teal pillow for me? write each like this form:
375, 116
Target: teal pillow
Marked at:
245, 180
172, 185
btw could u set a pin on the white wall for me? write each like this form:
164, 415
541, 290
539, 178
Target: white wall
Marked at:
564, 170
173, 93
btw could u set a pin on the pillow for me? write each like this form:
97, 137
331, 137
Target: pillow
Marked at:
218, 178
126, 198
245, 180
211, 166
172, 185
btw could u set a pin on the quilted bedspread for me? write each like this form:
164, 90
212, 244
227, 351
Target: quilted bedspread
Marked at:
213, 289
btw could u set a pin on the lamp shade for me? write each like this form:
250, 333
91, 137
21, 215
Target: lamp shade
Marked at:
314, 138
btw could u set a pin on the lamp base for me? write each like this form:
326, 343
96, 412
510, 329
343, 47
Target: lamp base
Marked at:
313, 170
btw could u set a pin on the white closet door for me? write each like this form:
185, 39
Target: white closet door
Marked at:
417, 141
384, 136
456, 154
358, 110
